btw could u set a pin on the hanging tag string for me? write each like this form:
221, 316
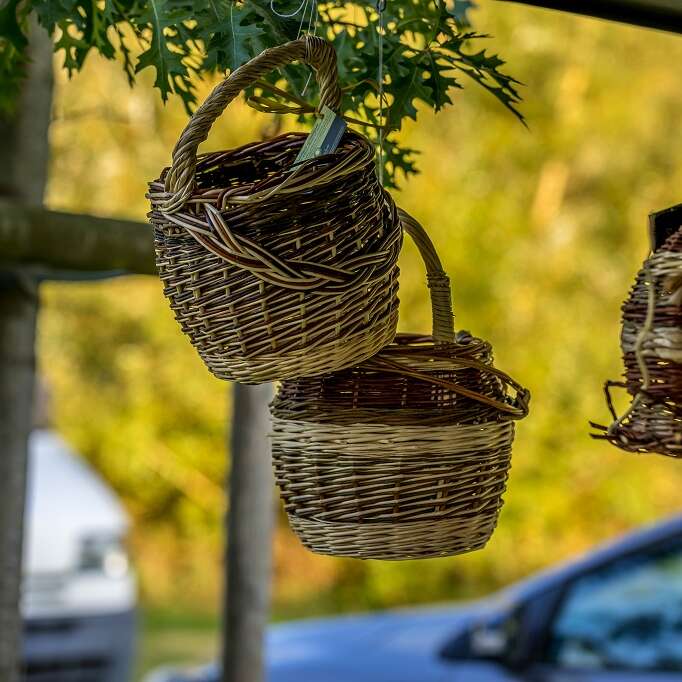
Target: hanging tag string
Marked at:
288, 103
381, 6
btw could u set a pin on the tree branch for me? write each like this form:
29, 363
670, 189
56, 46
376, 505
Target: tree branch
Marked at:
32, 236
665, 15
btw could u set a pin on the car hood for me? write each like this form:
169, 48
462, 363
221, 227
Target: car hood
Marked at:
398, 646
66, 502
358, 647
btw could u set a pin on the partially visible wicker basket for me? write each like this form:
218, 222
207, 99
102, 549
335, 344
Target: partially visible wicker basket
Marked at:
651, 341
406, 455
275, 270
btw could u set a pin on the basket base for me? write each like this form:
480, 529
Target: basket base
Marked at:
314, 361
394, 541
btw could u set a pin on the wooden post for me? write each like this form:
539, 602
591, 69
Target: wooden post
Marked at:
24, 152
250, 525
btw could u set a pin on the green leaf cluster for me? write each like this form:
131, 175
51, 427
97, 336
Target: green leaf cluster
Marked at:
426, 51
427, 48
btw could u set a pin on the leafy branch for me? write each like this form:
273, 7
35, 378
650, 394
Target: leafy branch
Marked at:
428, 46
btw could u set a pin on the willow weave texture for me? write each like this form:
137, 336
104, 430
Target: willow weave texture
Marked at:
651, 343
405, 455
275, 269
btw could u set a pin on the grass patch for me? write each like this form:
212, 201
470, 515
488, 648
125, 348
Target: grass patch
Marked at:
174, 637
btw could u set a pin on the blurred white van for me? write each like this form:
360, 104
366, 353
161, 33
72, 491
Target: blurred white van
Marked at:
79, 592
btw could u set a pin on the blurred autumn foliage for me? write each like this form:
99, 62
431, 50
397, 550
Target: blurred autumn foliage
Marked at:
542, 231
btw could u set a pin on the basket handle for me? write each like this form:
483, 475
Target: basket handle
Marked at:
438, 281
444, 330
316, 52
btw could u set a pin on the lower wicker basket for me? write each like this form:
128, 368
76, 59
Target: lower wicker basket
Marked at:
651, 342
406, 455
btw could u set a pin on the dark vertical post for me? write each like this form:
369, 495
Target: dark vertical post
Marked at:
24, 151
18, 308
250, 524
664, 224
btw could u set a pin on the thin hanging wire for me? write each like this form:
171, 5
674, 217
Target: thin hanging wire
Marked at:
314, 17
285, 15
381, 6
313, 13
306, 8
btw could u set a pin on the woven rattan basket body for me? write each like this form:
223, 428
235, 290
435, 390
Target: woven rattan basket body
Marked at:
405, 455
651, 342
275, 269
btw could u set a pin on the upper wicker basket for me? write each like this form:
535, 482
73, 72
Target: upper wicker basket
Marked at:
651, 342
276, 270
406, 455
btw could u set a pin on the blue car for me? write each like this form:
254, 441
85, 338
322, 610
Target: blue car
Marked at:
613, 616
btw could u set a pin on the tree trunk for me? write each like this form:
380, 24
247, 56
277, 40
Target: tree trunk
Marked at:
24, 153
249, 536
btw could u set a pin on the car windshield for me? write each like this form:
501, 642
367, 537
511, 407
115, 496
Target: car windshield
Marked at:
627, 616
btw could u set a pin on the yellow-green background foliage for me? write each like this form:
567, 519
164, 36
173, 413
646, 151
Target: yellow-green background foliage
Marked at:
542, 231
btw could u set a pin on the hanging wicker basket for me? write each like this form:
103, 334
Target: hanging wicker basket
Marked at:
405, 455
651, 342
275, 269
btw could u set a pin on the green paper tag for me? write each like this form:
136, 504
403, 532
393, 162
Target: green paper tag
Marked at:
325, 136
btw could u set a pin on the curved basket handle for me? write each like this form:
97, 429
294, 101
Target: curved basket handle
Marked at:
444, 331
517, 409
438, 281
314, 51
